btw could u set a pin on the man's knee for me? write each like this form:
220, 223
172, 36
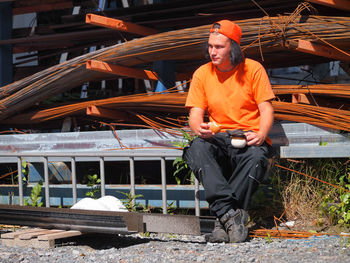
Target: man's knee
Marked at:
191, 154
195, 150
259, 154
259, 157
199, 144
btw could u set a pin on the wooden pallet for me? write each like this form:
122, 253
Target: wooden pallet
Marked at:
37, 237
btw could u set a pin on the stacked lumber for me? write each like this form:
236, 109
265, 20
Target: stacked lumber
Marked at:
36, 237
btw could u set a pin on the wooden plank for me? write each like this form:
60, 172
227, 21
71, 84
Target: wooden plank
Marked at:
317, 49
119, 25
32, 235
339, 4
63, 234
37, 238
104, 67
15, 234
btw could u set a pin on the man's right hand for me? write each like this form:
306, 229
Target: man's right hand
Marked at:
200, 128
204, 131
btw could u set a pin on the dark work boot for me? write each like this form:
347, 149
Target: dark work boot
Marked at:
218, 235
235, 222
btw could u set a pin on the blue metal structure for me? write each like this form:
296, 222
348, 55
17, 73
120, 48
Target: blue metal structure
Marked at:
6, 69
292, 140
166, 73
182, 196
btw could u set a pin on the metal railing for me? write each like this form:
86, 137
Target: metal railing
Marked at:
99, 156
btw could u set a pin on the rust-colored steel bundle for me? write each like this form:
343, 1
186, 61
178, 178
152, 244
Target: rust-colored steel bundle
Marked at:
329, 90
153, 109
261, 36
285, 234
321, 116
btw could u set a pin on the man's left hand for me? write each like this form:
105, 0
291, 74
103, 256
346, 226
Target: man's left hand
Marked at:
254, 138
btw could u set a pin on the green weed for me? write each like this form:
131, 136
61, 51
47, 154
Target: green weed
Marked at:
95, 187
171, 208
130, 201
172, 236
145, 234
306, 198
183, 174
336, 205
268, 238
34, 198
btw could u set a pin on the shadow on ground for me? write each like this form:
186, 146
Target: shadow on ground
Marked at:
102, 241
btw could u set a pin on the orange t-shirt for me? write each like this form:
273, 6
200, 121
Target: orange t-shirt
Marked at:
231, 98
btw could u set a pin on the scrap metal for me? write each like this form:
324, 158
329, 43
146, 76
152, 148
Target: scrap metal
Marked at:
104, 221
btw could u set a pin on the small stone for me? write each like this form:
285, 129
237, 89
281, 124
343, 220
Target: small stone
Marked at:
200, 258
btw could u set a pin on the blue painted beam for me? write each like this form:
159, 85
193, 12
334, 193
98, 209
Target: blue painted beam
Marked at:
6, 70
61, 195
166, 74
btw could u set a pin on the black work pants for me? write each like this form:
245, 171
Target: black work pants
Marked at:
229, 175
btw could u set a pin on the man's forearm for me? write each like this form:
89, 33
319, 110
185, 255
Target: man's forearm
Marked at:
266, 118
195, 119
194, 125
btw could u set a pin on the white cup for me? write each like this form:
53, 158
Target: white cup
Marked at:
238, 142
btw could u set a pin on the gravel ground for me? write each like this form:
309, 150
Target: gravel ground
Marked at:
178, 248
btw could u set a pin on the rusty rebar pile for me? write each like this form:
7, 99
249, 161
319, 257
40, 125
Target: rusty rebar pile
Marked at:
331, 90
259, 34
152, 110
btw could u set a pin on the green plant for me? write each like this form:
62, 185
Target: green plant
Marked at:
338, 209
170, 208
172, 236
129, 201
302, 191
268, 238
144, 208
94, 184
344, 197
187, 137
181, 167
24, 170
145, 234
34, 198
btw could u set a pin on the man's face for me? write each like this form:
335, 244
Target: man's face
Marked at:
219, 51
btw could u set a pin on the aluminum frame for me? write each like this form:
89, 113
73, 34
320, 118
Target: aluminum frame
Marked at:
160, 155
